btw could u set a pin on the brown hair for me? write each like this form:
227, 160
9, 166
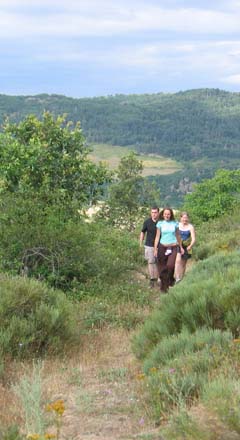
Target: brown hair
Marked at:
166, 209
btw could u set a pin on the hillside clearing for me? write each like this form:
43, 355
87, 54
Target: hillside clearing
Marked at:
153, 164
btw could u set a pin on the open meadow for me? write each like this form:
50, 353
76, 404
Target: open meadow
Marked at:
153, 164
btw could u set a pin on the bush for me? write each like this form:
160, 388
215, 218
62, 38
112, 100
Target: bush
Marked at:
186, 344
33, 318
180, 367
43, 242
11, 433
222, 395
213, 197
207, 297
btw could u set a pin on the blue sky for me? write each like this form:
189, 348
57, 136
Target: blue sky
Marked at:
85, 48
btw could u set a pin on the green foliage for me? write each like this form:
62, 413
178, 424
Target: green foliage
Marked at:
188, 343
177, 380
222, 235
48, 154
171, 389
208, 297
223, 397
198, 127
118, 304
129, 195
43, 242
34, 318
214, 197
11, 433
186, 125
183, 425
173, 349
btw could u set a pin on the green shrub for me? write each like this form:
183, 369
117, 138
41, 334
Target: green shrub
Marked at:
222, 395
11, 433
183, 426
33, 318
207, 297
221, 235
176, 375
186, 344
168, 389
43, 242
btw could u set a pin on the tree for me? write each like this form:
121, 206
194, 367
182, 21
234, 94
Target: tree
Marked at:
214, 197
45, 178
49, 155
130, 193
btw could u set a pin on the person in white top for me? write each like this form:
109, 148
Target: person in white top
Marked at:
188, 238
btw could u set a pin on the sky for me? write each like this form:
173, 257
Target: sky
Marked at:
87, 48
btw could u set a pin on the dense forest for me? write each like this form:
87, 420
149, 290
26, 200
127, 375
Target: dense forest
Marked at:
200, 128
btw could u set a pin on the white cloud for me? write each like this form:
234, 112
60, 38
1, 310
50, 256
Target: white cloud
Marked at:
107, 18
231, 79
139, 40
220, 58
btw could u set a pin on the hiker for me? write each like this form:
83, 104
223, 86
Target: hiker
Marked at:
188, 238
166, 244
149, 229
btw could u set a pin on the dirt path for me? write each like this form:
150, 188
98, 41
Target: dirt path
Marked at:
99, 388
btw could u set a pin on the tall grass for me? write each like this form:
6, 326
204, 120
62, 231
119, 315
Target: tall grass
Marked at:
29, 393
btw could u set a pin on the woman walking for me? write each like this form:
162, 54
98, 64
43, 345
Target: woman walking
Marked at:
165, 247
188, 238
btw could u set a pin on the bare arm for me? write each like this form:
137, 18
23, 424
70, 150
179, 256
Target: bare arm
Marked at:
179, 240
141, 238
157, 239
193, 238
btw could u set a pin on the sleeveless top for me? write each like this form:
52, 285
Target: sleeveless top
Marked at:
186, 238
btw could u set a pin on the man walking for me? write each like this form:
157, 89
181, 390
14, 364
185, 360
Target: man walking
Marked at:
149, 229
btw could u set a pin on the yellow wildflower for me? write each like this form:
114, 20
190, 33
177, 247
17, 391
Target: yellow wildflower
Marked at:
33, 436
140, 376
57, 406
49, 435
236, 341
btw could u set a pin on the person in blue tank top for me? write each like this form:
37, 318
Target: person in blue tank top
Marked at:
188, 238
166, 244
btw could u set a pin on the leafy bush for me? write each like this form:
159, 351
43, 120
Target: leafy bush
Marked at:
221, 235
33, 318
43, 242
214, 197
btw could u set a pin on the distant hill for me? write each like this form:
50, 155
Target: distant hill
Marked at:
200, 128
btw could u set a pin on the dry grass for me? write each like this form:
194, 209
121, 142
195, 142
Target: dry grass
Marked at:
98, 386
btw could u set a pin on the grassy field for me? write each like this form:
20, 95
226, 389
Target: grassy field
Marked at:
153, 164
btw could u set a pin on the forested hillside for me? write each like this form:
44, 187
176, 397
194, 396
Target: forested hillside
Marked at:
187, 125
199, 128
